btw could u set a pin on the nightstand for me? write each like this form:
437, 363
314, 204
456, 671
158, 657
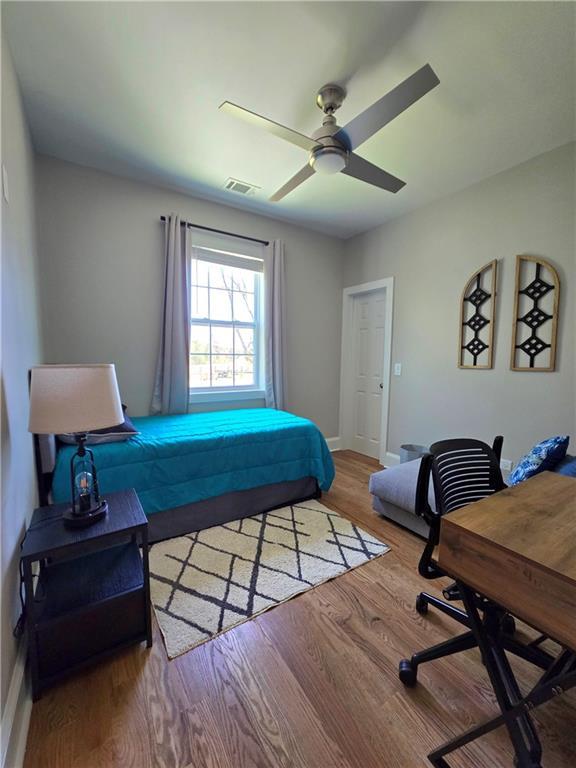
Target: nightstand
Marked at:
92, 597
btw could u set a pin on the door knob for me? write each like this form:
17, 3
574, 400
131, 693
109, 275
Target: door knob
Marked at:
381, 385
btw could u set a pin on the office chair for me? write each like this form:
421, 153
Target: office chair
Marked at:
463, 471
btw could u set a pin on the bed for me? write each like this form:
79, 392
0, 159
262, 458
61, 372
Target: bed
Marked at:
192, 471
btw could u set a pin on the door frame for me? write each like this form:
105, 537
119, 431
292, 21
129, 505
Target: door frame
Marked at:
349, 294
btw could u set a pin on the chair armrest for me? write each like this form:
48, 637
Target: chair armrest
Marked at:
427, 568
421, 506
497, 447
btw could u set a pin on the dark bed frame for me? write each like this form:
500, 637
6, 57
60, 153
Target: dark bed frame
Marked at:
197, 515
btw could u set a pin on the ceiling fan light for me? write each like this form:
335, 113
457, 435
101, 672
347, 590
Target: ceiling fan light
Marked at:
328, 160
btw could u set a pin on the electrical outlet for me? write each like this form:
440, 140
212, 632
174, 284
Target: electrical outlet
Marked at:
506, 465
397, 369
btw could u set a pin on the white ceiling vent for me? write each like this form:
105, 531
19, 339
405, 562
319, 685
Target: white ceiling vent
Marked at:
241, 187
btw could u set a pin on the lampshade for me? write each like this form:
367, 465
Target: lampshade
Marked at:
73, 398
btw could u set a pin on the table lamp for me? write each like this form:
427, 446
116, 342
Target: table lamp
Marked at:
76, 399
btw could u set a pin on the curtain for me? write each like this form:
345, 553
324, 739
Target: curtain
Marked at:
274, 325
172, 369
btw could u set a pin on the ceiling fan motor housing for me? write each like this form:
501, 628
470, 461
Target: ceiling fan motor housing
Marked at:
330, 98
332, 156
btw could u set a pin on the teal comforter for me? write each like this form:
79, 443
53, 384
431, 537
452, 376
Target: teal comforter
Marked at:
180, 459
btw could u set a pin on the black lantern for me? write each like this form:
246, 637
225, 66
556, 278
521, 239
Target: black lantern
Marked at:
87, 507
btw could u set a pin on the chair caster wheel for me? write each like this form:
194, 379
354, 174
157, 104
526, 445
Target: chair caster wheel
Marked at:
508, 625
407, 673
421, 605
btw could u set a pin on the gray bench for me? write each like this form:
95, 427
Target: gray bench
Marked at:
394, 495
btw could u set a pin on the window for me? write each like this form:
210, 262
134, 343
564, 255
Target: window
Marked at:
225, 338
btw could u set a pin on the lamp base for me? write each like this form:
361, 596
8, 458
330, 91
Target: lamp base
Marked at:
83, 520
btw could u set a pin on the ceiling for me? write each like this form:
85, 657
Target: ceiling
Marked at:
134, 88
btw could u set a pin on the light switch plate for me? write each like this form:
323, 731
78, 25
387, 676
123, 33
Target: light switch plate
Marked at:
5, 183
397, 369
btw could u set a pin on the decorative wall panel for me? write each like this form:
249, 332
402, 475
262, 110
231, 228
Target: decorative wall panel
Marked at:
477, 317
535, 323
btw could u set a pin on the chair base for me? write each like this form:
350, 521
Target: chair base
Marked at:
408, 668
424, 599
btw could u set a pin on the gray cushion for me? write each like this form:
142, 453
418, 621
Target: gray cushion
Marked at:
401, 516
397, 485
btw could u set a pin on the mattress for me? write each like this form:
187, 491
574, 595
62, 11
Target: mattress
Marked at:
177, 460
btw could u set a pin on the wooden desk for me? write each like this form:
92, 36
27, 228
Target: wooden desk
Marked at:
518, 548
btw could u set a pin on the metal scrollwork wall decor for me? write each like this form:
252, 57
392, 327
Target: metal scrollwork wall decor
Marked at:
535, 322
477, 316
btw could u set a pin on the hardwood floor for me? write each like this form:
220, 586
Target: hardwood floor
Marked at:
310, 684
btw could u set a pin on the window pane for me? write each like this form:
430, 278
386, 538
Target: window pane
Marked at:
244, 341
200, 339
244, 307
218, 275
220, 304
222, 340
244, 370
242, 279
200, 371
199, 272
222, 354
222, 371
199, 302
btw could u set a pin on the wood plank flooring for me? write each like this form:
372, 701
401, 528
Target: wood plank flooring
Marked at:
310, 684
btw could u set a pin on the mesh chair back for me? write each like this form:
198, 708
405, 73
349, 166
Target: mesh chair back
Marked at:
464, 471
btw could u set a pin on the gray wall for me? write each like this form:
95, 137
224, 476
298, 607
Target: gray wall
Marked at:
431, 253
100, 245
20, 349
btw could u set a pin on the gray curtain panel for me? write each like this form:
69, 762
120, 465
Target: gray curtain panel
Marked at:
172, 370
275, 325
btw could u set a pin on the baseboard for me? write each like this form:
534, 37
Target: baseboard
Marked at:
391, 459
334, 443
16, 716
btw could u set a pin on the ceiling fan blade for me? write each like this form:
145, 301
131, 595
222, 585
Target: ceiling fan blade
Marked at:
269, 125
361, 169
384, 110
303, 174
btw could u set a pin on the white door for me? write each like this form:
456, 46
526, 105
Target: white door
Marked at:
363, 399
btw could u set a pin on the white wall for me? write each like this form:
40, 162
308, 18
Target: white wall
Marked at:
431, 253
20, 349
100, 246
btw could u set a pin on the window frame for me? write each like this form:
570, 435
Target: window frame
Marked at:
242, 391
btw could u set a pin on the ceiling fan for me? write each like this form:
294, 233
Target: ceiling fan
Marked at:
331, 148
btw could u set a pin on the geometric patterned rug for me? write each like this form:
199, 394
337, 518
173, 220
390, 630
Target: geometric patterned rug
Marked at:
209, 581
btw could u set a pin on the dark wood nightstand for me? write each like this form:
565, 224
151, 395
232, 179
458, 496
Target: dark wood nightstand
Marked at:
93, 592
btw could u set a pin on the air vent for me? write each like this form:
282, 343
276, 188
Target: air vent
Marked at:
240, 187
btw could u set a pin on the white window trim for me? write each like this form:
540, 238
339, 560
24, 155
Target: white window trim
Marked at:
229, 395
239, 393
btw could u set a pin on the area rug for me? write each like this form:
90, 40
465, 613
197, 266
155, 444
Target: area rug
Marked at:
209, 581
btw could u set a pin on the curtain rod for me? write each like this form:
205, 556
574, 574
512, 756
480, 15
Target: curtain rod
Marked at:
220, 231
